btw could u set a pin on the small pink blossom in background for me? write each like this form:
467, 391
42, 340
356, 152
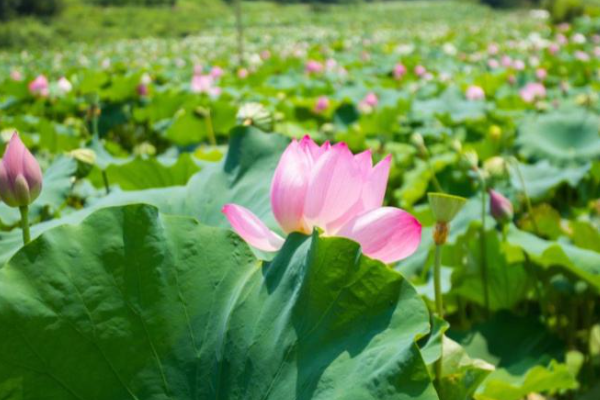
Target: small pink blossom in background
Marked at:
554, 48
561, 39
511, 79
106, 63
265, 54
330, 188
142, 90
475, 93
365, 56
322, 104
198, 69
64, 86
493, 63
519, 65
596, 38
39, 86
20, 174
16, 75
420, 70
582, 56
330, 64
204, 84
541, 74
399, 71
313, 67
506, 61
492, 49
533, 91
371, 99
242, 73
216, 72
500, 207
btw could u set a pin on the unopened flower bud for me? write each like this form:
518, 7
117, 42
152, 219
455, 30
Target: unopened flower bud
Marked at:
20, 175
500, 207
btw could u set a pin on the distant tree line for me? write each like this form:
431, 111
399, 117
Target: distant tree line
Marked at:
44, 8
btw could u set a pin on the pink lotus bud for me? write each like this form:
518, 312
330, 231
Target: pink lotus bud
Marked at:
399, 71
242, 73
420, 70
506, 62
493, 63
313, 67
475, 93
322, 104
39, 86
554, 48
142, 90
265, 54
500, 207
371, 99
330, 64
492, 49
20, 175
198, 69
541, 74
16, 75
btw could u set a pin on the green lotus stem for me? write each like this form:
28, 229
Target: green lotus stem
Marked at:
437, 281
239, 25
527, 199
105, 180
209, 129
483, 248
25, 223
434, 178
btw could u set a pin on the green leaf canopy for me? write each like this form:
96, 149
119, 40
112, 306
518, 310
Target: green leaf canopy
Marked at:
133, 304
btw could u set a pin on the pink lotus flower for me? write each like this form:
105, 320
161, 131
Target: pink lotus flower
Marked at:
399, 71
20, 175
493, 63
475, 93
533, 91
322, 104
506, 62
204, 84
519, 65
371, 99
39, 86
216, 72
330, 188
313, 67
420, 70
265, 54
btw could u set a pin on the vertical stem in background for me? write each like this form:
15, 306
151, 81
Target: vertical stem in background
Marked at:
209, 128
483, 251
105, 180
527, 199
25, 223
240, 31
440, 234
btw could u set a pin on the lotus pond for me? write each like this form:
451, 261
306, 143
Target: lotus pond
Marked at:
382, 201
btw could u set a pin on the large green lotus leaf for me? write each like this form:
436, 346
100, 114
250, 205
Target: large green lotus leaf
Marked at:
562, 136
243, 177
133, 304
148, 173
57, 184
461, 375
525, 355
581, 262
542, 178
